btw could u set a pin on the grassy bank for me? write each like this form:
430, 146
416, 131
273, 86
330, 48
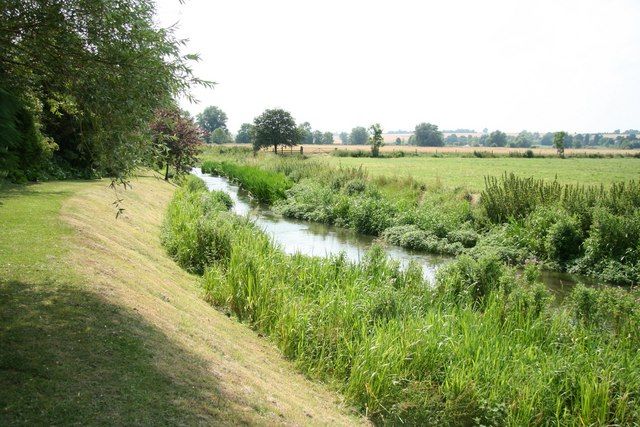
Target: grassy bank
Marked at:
99, 326
482, 347
589, 230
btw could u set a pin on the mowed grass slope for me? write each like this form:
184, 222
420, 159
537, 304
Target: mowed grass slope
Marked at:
469, 172
99, 326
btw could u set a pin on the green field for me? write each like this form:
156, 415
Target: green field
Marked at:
469, 172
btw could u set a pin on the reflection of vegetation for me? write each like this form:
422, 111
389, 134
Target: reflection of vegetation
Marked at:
459, 353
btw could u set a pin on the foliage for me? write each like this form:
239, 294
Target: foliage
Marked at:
220, 136
559, 142
376, 140
92, 73
460, 353
497, 139
210, 119
265, 186
428, 135
176, 140
275, 127
358, 136
245, 134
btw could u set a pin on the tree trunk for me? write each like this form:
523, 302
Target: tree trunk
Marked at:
166, 173
275, 148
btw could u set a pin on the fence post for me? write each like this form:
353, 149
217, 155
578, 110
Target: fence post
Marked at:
301, 150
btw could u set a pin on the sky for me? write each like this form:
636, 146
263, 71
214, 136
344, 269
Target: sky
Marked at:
538, 65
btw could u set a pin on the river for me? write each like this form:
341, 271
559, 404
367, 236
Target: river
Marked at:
316, 239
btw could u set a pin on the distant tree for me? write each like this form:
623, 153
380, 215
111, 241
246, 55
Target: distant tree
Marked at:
558, 142
578, 141
428, 135
376, 140
617, 131
398, 141
358, 136
220, 136
275, 127
497, 139
306, 135
176, 141
587, 140
245, 134
344, 138
485, 130
327, 138
317, 137
523, 140
451, 139
211, 119
547, 139
597, 139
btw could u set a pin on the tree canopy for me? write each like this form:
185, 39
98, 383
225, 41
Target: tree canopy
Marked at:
176, 140
428, 135
358, 136
210, 119
91, 73
497, 139
245, 134
275, 127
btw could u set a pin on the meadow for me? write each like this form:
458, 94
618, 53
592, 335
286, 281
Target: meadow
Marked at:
483, 347
469, 172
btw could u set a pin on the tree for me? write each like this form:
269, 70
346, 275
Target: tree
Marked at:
92, 73
220, 136
344, 138
497, 139
306, 135
558, 142
547, 139
275, 127
245, 134
398, 141
212, 118
317, 137
327, 138
358, 136
376, 140
176, 140
523, 140
428, 135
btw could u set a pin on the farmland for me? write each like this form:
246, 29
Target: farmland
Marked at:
469, 172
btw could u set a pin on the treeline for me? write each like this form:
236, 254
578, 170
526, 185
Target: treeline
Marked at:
81, 83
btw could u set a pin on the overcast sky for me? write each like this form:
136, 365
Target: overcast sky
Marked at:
537, 65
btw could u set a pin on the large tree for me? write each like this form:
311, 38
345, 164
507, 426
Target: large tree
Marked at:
92, 73
176, 139
428, 135
376, 140
212, 118
275, 127
358, 136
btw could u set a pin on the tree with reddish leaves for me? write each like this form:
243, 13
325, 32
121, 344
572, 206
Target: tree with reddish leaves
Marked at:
176, 139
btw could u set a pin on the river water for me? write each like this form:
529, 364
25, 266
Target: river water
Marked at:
315, 239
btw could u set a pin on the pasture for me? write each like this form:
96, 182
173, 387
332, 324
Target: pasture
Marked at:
469, 172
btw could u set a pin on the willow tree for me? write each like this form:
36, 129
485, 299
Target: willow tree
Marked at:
92, 73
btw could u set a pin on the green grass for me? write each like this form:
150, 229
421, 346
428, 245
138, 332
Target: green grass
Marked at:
482, 347
470, 172
68, 356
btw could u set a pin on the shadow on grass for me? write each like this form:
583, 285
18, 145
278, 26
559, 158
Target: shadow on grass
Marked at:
69, 357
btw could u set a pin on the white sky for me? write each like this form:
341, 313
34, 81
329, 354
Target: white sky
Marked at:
540, 65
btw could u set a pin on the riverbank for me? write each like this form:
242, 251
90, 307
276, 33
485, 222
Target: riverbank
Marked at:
98, 325
482, 347
583, 230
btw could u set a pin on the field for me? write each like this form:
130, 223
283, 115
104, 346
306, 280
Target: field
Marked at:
99, 326
469, 172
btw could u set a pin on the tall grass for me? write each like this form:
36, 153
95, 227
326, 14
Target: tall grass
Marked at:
483, 346
265, 186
